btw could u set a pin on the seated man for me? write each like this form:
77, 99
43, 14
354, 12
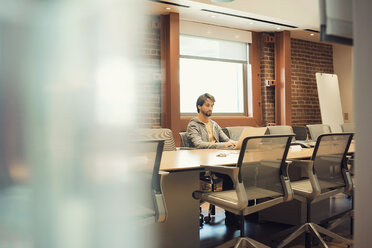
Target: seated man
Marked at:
203, 132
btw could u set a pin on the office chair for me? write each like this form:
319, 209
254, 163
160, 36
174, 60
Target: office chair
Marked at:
206, 177
157, 134
184, 140
260, 174
327, 175
149, 156
284, 129
317, 129
335, 221
347, 127
226, 132
300, 132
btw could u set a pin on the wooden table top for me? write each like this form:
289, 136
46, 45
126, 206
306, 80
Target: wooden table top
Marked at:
192, 159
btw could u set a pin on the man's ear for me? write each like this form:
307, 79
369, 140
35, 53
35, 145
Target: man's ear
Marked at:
199, 107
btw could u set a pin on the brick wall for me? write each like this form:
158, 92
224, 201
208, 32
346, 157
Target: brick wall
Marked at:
267, 70
308, 58
150, 92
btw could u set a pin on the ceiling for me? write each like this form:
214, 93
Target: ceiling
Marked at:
300, 17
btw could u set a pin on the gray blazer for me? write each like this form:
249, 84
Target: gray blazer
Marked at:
198, 137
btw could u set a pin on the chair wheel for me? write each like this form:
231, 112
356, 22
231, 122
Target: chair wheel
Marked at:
213, 210
201, 219
201, 223
207, 219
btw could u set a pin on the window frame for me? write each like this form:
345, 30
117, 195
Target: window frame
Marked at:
245, 80
253, 119
170, 103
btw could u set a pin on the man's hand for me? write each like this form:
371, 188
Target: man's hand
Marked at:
230, 143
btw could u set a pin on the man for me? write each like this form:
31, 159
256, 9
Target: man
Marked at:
203, 132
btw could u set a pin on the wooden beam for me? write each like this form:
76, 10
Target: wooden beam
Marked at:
170, 72
283, 98
254, 58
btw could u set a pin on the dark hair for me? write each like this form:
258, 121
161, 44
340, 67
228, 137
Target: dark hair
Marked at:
202, 98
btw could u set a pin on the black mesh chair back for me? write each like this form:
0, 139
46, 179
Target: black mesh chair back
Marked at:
329, 158
262, 163
184, 139
226, 132
300, 132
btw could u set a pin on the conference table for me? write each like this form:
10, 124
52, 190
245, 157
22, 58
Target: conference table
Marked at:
181, 228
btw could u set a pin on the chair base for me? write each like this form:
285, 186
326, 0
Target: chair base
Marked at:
241, 242
335, 221
316, 230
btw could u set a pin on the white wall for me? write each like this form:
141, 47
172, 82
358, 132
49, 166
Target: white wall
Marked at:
343, 68
363, 120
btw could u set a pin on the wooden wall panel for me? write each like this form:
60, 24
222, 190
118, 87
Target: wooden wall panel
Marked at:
283, 112
170, 72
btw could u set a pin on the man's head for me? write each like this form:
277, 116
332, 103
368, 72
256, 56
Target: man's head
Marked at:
205, 104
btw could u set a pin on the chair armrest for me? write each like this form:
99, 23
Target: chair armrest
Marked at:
231, 171
161, 212
308, 168
288, 191
348, 181
159, 201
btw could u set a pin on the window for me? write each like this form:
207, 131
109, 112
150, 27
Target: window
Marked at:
218, 67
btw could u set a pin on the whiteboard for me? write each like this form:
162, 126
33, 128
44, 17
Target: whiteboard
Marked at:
330, 100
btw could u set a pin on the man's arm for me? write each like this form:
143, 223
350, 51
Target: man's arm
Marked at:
195, 138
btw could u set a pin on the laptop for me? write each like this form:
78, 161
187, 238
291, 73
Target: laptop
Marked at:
249, 132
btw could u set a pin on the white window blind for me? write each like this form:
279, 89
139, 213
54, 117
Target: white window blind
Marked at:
213, 48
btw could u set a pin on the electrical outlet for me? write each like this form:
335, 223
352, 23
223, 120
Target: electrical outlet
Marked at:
346, 116
269, 83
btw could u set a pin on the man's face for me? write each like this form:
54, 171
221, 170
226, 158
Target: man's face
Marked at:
206, 108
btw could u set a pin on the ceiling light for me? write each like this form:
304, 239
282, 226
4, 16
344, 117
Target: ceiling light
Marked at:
167, 8
251, 23
312, 34
213, 16
278, 28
